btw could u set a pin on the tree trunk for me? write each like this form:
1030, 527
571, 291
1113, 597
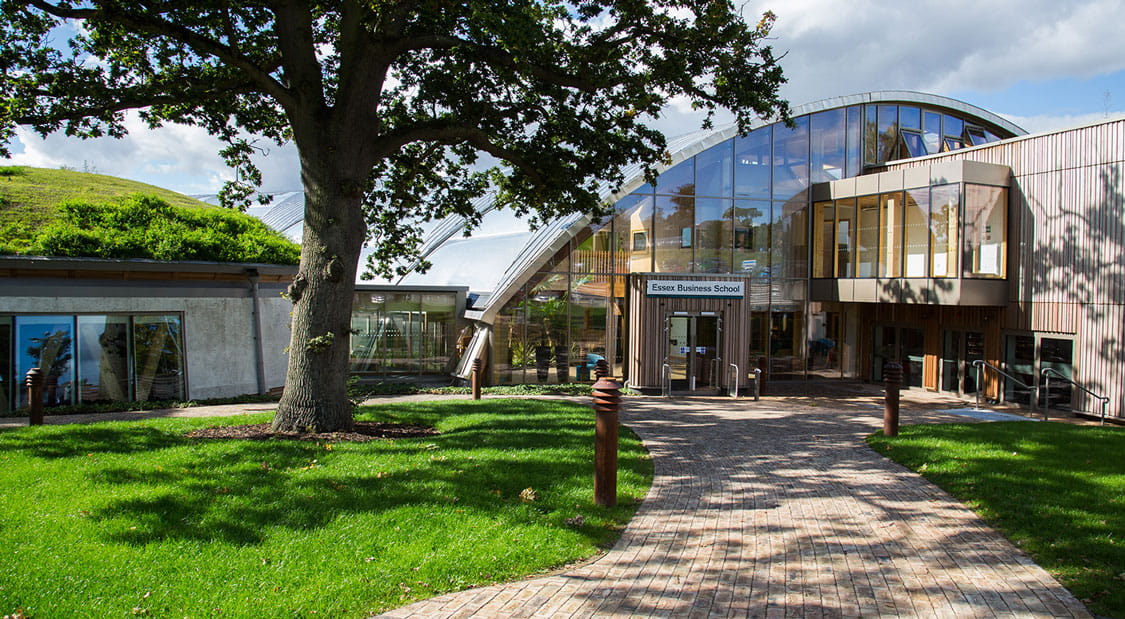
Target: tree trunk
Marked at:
315, 397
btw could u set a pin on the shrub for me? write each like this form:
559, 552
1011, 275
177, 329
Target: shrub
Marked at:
143, 226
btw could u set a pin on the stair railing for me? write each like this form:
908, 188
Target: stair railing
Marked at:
1033, 390
1049, 372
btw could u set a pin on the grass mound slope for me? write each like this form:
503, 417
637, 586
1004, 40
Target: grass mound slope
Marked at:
137, 518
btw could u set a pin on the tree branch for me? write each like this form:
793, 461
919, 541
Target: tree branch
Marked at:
201, 44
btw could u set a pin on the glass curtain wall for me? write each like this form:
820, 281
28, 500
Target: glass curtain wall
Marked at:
403, 333
742, 207
7, 370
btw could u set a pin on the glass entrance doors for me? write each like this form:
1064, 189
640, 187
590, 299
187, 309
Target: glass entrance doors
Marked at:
959, 350
693, 356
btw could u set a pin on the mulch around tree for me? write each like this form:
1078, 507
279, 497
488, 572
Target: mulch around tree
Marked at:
364, 431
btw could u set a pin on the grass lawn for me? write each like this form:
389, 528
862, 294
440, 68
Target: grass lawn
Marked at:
1057, 491
127, 518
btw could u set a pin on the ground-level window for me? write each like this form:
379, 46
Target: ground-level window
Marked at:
92, 358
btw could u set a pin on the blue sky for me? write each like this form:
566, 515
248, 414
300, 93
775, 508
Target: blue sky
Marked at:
1044, 64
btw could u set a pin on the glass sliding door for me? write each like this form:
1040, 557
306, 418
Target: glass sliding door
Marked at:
158, 357
47, 343
103, 359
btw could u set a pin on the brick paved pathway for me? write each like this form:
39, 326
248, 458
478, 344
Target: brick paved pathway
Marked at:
780, 510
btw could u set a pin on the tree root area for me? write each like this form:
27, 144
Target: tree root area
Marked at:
364, 431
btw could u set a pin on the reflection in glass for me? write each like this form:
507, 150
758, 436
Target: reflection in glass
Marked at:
909, 118
713, 235
986, 231
917, 232
890, 239
1019, 361
103, 359
589, 302
714, 175
828, 145
855, 141
945, 203
786, 345
931, 132
674, 215
632, 225
592, 252
679, 179
870, 136
845, 238
752, 238
159, 357
824, 221
547, 327
7, 380
888, 133
753, 164
47, 343
867, 252
791, 159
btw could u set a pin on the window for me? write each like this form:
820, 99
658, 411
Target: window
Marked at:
845, 240
675, 217
678, 180
752, 237
713, 235
855, 141
753, 165
888, 133
47, 343
867, 253
945, 205
931, 132
632, 221
890, 238
791, 159
986, 231
827, 151
714, 170
103, 359
917, 205
824, 216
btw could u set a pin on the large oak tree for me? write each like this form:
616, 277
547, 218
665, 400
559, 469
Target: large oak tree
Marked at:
389, 103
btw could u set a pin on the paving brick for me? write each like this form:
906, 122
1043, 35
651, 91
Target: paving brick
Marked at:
779, 509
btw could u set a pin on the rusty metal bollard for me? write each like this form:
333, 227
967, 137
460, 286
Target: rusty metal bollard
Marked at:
607, 402
34, 381
892, 379
601, 369
478, 366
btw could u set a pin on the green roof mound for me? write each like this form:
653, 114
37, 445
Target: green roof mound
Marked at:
64, 213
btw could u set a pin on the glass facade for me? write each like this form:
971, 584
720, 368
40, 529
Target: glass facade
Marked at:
742, 207
398, 333
92, 358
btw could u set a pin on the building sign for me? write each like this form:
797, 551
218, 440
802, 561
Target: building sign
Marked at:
695, 288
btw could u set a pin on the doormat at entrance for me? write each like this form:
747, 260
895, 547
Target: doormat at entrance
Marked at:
985, 415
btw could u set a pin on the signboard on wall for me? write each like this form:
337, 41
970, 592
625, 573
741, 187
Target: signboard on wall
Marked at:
695, 288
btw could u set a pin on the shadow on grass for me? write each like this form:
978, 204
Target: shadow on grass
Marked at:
170, 487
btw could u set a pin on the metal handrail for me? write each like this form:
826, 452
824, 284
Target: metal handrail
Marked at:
716, 363
666, 380
980, 364
1047, 386
734, 389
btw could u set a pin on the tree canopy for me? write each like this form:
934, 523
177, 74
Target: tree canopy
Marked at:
391, 106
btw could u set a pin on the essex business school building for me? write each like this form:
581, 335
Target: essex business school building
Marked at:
889, 226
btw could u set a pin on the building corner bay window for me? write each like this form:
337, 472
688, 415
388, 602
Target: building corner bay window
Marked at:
92, 358
986, 231
913, 233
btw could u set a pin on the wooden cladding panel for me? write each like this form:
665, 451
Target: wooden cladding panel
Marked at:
1099, 357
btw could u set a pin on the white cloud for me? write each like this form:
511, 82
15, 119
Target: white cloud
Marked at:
836, 48
176, 157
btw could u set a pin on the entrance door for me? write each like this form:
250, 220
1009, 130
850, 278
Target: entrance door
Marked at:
693, 351
959, 350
